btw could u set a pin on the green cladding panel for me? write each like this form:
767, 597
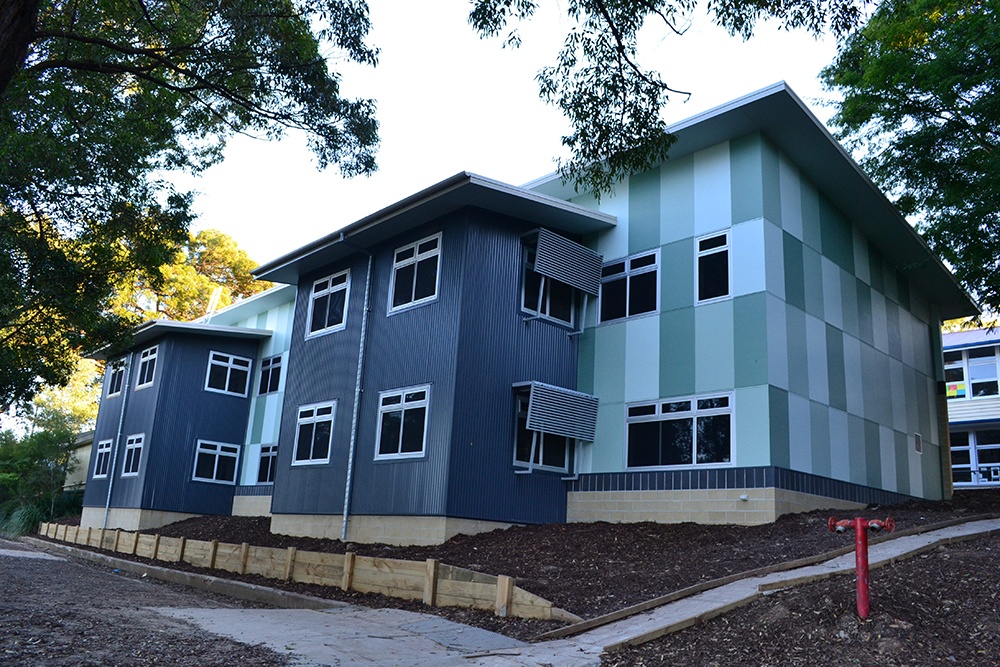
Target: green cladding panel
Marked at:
644, 211
750, 344
746, 178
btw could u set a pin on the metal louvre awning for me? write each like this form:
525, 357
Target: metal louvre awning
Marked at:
560, 411
568, 262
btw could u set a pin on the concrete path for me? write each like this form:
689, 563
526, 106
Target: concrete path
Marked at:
342, 634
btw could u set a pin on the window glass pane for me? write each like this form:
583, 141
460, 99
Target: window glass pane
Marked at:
427, 246
643, 444
645, 260
713, 439
402, 292
338, 280
320, 305
522, 449
952, 357
321, 439
560, 300
713, 403
388, 442
961, 476
989, 456
641, 410
426, 283
326, 410
554, 452
677, 406
988, 437
676, 446
275, 379
982, 372
613, 269
413, 430
227, 469
320, 286
217, 376
613, 299
984, 389
205, 466
394, 399
532, 285
713, 275
335, 312
981, 353
959, 438
954, 374
642, 293
404, 254
714, 242
238, 381
303, 445
960, 456
415, 396
265, 472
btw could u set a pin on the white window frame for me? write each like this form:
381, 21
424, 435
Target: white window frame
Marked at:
329, 411
270, 366
694, 412
966, 364
219, 450
627, 275
521, 407
116, 377
268, 452
698, 254
230, 362
147, 366
133, 455
331, 288
385, 405
415, 259
102, 455
973, 448
543, 304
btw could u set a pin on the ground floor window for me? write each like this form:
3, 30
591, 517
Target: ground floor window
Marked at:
680, 432
268, 459
402, 424
535, 449
975, 457
216, 462
313, 435
133, 455
103, 459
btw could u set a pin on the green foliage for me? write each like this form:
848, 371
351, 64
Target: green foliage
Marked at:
109, 93
612, 102
32, 472
72, 408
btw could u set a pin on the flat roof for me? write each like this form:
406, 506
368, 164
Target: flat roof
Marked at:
459, 191
149, 330
957, 340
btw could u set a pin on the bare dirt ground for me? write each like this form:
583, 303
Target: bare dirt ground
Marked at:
938, 607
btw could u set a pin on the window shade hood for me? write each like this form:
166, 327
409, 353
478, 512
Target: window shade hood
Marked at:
560, 411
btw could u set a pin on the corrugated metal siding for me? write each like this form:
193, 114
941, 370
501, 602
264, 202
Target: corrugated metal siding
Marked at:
569, 262
498, 347
970, 410
96, 490
562, 412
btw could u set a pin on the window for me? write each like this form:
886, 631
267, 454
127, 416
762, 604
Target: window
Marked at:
133, 455
227, 374
535, 449
270, 375
684, 432
712, 280
415, 273
546, 297
216, 462
630, 286
975, 457
402, 425
954, 374
268, 459
328, 307
315, 430
147, 368
116, 377
971, 373
103, 459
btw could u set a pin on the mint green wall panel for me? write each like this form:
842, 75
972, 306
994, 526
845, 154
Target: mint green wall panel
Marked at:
677, 275
712, 189
608, 451
812, 235
609, 362
585, 367
931, 472
861, 256
819, 422
897, 394
837, 235
800, 433
795, 281
880, 333
261, 321
677, 353
777, 342
916, 465
875, 272
612, 243
835, 368
856, 446
893, 327
771, 181
854, 376
752, 427
819, 384
750, 354
865, 327
840, 453
644, 211
833, 303
774, 260
849, 303
798, 352
902, 463
777, 403
746, 177
747, 257
873, 455
677, 199
812, 270
713, 343
642, 359
887, 454
791, 197
913, 380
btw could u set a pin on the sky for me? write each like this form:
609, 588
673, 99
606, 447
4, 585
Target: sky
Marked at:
450, 102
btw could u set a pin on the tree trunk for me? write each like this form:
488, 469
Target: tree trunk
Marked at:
17, 29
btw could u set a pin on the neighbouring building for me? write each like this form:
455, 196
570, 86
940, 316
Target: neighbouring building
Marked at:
745, 330
971, 384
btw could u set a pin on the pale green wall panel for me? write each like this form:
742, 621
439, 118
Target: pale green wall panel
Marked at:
779, 427
887, 454
777, 342
860, 244
865, 327
642, 359
774, 259
750, 353
746, 178
677, 275
840, 453
677, 353
849, 303
714, 347
791, 197
747, 257
833, 303
614, 243
609, 362
608, 451
931, 472
856, 445
875, 270
812, 235
587, 359
797, 351
812, 271
893, 329
257, 424
800, 454
644, 211
902, 462
712, 189
771, 181
819, 423
854, 376
819, 382
677, 199
897, 394
880, 331
795, 280
837, 235
873, 454
752, 428
913, 380
915, 471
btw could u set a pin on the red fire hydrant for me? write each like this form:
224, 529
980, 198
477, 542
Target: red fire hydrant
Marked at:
861, 526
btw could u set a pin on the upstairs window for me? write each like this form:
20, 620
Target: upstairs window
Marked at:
314, 433
116, 377
630, 286
972, 373
133, 455
954, 375
227, 374
402, 426
415, 273
328, 306
268, 461
546, 297
147, 367
216, 462
559, 276
103, 462
682, 432
536, 449
712, 272
270, 375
